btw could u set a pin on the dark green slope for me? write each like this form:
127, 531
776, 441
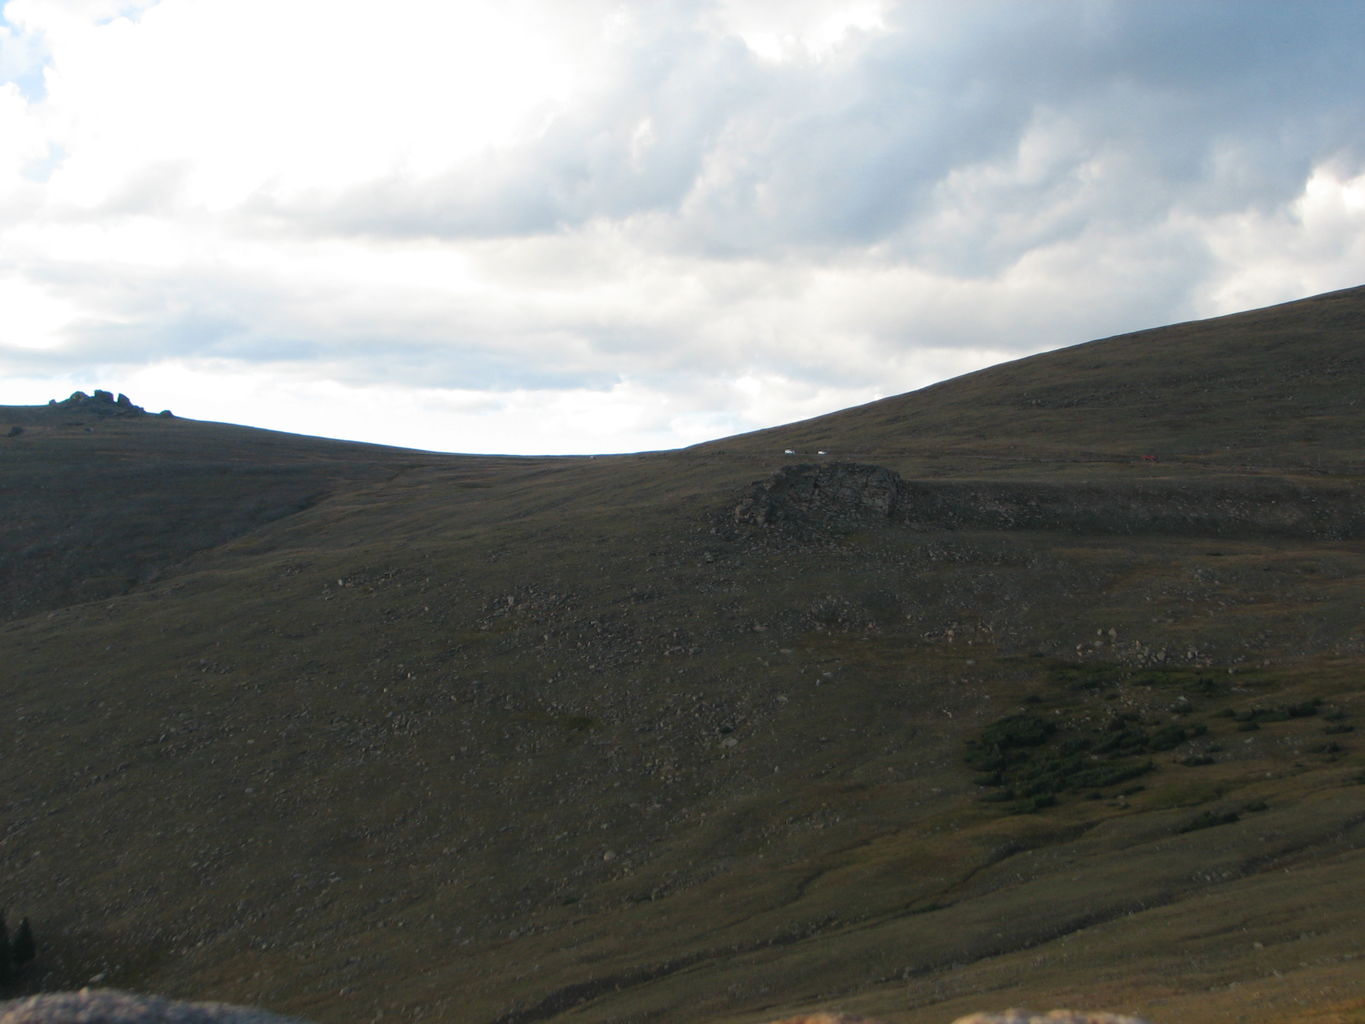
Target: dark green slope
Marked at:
94, 505
470, 739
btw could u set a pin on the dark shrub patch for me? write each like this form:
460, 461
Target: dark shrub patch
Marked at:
1018, 731
1034, 804
1034, 760
1108, 775
1001, 743
1208, 687
1280, 714
1208, 819
1084, 676
1326, 748
1168, 737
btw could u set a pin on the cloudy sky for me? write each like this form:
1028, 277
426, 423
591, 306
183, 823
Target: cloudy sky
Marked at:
543, 226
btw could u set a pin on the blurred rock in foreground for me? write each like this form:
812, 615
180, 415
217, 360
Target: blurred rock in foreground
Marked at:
107, 1006
1051, 1017
1007, 1017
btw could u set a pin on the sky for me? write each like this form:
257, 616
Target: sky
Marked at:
540, 227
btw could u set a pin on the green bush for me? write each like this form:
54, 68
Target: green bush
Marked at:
1000, 744
1034, 760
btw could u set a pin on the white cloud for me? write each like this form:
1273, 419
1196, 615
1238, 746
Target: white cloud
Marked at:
798, 29
1316, 244
34, 319
640, 224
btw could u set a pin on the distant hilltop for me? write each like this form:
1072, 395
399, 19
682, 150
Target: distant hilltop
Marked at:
103, 403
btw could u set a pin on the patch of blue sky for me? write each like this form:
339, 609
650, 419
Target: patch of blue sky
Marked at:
40, 170
22, 60
132, 11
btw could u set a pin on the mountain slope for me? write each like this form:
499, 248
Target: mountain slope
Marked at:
465, 739
1277, 385
96, 504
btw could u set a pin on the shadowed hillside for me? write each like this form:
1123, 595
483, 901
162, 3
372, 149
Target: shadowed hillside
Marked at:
94, 503
983, 708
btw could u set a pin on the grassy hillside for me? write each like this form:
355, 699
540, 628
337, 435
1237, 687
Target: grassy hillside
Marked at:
1279, 385
343, 731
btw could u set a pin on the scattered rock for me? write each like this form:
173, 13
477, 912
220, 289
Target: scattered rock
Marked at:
15, 431
109, 1006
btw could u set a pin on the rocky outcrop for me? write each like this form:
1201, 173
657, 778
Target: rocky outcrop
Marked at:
109, 1006
809, 501
101, 403
824, 496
